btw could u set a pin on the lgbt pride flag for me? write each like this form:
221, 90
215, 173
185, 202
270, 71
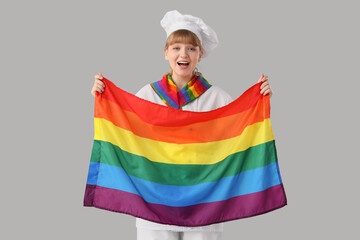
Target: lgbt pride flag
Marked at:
183, 168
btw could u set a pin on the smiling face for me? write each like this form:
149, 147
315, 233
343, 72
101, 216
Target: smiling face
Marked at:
183, 51
183, 58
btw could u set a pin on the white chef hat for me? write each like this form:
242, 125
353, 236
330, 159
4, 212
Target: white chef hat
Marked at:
173, 20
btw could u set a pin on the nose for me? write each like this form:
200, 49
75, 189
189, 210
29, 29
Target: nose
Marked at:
184, 53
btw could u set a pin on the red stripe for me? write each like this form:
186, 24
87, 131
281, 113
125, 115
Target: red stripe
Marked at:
198, 87
150, 112
197, 215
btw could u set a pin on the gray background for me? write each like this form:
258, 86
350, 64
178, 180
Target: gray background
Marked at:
50, 52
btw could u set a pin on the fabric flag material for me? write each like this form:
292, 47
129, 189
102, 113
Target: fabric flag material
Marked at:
180, 167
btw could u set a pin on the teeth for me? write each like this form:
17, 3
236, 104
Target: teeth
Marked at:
183, 63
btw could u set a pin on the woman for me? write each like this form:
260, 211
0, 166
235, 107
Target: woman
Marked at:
188, 40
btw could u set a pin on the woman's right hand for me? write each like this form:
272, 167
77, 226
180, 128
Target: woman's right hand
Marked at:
98, 85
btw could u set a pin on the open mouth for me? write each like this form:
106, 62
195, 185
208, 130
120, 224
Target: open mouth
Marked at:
183, 63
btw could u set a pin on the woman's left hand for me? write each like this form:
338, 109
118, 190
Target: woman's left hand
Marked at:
265, 87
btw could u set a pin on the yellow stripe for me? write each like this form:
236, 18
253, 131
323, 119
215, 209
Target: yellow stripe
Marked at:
195, 93
171, 83
190, 153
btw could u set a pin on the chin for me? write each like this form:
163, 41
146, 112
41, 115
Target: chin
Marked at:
184, 74
189, 76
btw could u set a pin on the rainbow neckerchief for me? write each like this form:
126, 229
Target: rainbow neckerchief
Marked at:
167, 91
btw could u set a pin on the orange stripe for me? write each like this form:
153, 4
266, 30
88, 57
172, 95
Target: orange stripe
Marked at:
209, 130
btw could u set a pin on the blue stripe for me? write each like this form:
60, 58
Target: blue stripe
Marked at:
93, 173
246, 182
186, 95
165, 96
205, 82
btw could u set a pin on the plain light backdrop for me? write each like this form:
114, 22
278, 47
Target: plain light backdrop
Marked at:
51, 50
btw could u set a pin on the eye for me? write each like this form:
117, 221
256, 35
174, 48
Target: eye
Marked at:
176, 48
192, 49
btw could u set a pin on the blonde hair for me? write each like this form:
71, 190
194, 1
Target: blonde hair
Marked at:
183, 36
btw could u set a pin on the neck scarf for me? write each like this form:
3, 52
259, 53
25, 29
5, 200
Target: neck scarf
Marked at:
167, 91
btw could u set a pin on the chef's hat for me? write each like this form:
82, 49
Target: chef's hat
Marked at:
173, 20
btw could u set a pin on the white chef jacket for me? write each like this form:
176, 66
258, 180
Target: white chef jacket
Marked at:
211, 99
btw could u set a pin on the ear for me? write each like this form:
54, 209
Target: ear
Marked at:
166, 54
201, 53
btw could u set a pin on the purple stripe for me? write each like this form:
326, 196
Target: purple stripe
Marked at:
196, 215
205, 82
162, 86
182, 99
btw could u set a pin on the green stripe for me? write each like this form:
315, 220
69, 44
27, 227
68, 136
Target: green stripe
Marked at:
184, 174
190, 93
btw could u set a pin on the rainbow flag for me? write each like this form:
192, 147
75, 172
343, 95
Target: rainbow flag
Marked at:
183, 168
